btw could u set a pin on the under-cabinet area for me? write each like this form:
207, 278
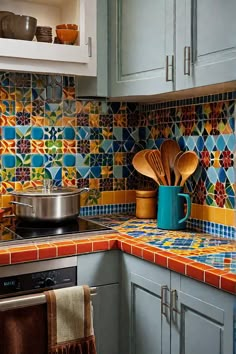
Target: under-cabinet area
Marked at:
35, 56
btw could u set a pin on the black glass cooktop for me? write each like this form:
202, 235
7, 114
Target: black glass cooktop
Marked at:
21, 230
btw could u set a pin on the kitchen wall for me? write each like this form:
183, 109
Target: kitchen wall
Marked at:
47, 133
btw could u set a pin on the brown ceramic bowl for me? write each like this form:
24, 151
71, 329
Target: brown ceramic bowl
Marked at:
67, 36
3, 14
19, 27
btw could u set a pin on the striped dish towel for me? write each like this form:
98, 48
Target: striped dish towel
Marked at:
70, 321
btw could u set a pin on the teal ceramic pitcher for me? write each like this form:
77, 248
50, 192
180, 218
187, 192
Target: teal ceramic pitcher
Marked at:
170, 215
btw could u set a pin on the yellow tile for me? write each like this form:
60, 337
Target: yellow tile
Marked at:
230, 217
208, 213
193, 211
108, 197
197, 211
6, 199
219, 215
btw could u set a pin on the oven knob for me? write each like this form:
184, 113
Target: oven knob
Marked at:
49, 282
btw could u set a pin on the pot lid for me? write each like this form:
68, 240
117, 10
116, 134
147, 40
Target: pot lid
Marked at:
43, 192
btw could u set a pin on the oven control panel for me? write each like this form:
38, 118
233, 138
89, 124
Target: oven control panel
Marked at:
37, 282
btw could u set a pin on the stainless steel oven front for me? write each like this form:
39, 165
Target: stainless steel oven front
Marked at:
23, 304
28, 278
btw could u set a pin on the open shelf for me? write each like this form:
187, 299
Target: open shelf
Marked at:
49, 57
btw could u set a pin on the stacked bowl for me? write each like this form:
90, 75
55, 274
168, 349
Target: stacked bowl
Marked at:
44, 34
67, 33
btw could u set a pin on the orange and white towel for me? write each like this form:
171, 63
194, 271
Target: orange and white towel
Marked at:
70, 324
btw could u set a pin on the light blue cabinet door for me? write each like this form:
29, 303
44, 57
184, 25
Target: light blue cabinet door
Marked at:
144, 322
102, 271
141, 37
106, 319
205, 42
203, 322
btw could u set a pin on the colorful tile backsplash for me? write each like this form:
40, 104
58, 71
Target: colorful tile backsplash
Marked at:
46, 132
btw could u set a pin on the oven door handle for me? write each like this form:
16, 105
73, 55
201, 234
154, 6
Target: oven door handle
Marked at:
27, 300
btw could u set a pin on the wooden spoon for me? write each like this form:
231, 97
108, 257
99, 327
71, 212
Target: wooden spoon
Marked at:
141, 165
187, 164
176, 171
169, 149
154, 159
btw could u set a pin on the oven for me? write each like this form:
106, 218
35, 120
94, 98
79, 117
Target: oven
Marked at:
21, 295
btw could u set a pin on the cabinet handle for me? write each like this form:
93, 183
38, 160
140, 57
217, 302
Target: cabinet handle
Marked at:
89, 47
173, 302
170, 67
164, 304
187, 60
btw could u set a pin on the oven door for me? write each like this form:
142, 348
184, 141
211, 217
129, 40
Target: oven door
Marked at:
23, 319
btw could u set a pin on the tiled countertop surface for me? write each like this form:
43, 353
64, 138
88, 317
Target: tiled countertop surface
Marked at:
202, 257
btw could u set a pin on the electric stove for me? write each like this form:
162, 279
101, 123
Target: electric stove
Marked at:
20, 231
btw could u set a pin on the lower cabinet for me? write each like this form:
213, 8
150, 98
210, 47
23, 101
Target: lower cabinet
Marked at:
145, 316
163, 312
141, 308
102, 270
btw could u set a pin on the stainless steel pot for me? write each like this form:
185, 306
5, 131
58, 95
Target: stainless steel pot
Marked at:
47, 204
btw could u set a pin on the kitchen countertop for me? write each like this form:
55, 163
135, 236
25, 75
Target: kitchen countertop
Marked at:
200, 256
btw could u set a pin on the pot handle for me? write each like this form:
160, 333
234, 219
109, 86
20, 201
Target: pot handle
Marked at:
83, 190
22, 204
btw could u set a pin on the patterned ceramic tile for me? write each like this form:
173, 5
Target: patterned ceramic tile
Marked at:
40, 117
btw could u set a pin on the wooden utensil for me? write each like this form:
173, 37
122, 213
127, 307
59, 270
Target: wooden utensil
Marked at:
154, 159
141, 165
169, 149
176, 171
187, 164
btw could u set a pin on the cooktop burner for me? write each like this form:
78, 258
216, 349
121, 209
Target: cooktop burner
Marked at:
23, 231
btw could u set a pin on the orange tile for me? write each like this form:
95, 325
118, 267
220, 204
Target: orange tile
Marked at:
112, 244
47, 251
100, 245
137, 251
212, 277
161, 258
228, 283
130, 196
119, 197
196, 270
178, 264
4, 257
199, 211
84, 247
23, 254
126, 247
148, 255
65, 248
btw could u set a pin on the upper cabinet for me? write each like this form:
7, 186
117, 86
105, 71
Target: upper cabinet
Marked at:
141, 42
159, 46
205, 42
33, 56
